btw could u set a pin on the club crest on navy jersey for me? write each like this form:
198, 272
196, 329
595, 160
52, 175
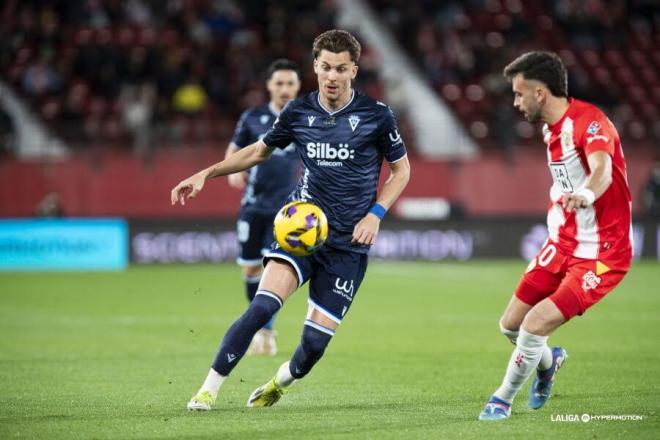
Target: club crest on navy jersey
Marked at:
353, 120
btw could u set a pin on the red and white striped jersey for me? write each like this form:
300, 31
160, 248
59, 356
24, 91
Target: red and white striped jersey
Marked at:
601, 231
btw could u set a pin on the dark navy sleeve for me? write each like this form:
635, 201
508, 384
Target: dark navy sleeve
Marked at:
280, 134
241, 137
389, 141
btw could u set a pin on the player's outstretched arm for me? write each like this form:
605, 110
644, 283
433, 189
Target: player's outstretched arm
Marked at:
366, 230
236, 180
600, 164
239, 161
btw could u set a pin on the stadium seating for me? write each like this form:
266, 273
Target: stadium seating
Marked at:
463, 46
73, 61
104, 75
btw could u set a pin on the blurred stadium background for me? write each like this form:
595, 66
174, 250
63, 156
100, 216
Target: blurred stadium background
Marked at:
106, 104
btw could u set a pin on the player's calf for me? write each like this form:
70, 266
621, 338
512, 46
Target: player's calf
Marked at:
512, 335
315, 338
513, 316
523, 362
543, 319
238, 337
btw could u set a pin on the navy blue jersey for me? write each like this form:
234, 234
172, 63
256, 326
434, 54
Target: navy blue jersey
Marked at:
270, 183
342, 153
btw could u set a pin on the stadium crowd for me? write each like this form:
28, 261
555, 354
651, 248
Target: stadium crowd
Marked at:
171, 69
611, 48
144, 72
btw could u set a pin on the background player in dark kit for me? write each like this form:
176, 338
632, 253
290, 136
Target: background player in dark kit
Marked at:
265, 188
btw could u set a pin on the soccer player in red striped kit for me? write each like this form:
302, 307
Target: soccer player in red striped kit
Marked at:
589, 248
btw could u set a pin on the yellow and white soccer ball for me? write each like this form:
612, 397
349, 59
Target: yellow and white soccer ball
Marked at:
300, 228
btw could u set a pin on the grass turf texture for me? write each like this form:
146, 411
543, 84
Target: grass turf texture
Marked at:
118, 355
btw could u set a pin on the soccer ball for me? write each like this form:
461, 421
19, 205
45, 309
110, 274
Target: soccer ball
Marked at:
300, 228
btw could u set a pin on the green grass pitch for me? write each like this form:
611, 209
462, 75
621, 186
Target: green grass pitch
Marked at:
118, 355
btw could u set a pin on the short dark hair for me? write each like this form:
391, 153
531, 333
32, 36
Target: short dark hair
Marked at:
546, 67
281, 64
337, 41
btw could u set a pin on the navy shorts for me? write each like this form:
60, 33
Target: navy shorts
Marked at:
334, 277
255, 235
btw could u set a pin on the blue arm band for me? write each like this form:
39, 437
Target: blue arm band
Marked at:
378, 210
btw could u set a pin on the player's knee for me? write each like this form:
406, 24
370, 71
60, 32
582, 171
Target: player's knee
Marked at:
538, 323
314, 342
263, 307
511, 334
312, 346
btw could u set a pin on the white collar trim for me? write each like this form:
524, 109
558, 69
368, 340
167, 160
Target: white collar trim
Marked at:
318, 98
271, 107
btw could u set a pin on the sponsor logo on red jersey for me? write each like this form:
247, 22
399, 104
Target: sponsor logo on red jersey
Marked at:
590, 281
593, 128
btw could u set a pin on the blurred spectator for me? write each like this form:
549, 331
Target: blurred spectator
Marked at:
41, 79
137, 12
651, 193
50, 206
190, 98
592, 24
189, 101
137, 106
6, 132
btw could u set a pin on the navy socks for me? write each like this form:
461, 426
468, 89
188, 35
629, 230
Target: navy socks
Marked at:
238, 337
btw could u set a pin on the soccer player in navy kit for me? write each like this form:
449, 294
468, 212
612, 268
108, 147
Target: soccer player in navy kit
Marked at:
266, 187
342, 137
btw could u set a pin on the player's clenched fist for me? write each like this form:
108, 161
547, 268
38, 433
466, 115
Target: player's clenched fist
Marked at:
581, 199
573, 201
366, 230
187, 189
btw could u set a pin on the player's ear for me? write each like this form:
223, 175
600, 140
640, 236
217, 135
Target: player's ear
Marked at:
316, 66
354, 71
540, 94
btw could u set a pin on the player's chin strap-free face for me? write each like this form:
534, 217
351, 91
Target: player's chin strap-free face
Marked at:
336, 68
